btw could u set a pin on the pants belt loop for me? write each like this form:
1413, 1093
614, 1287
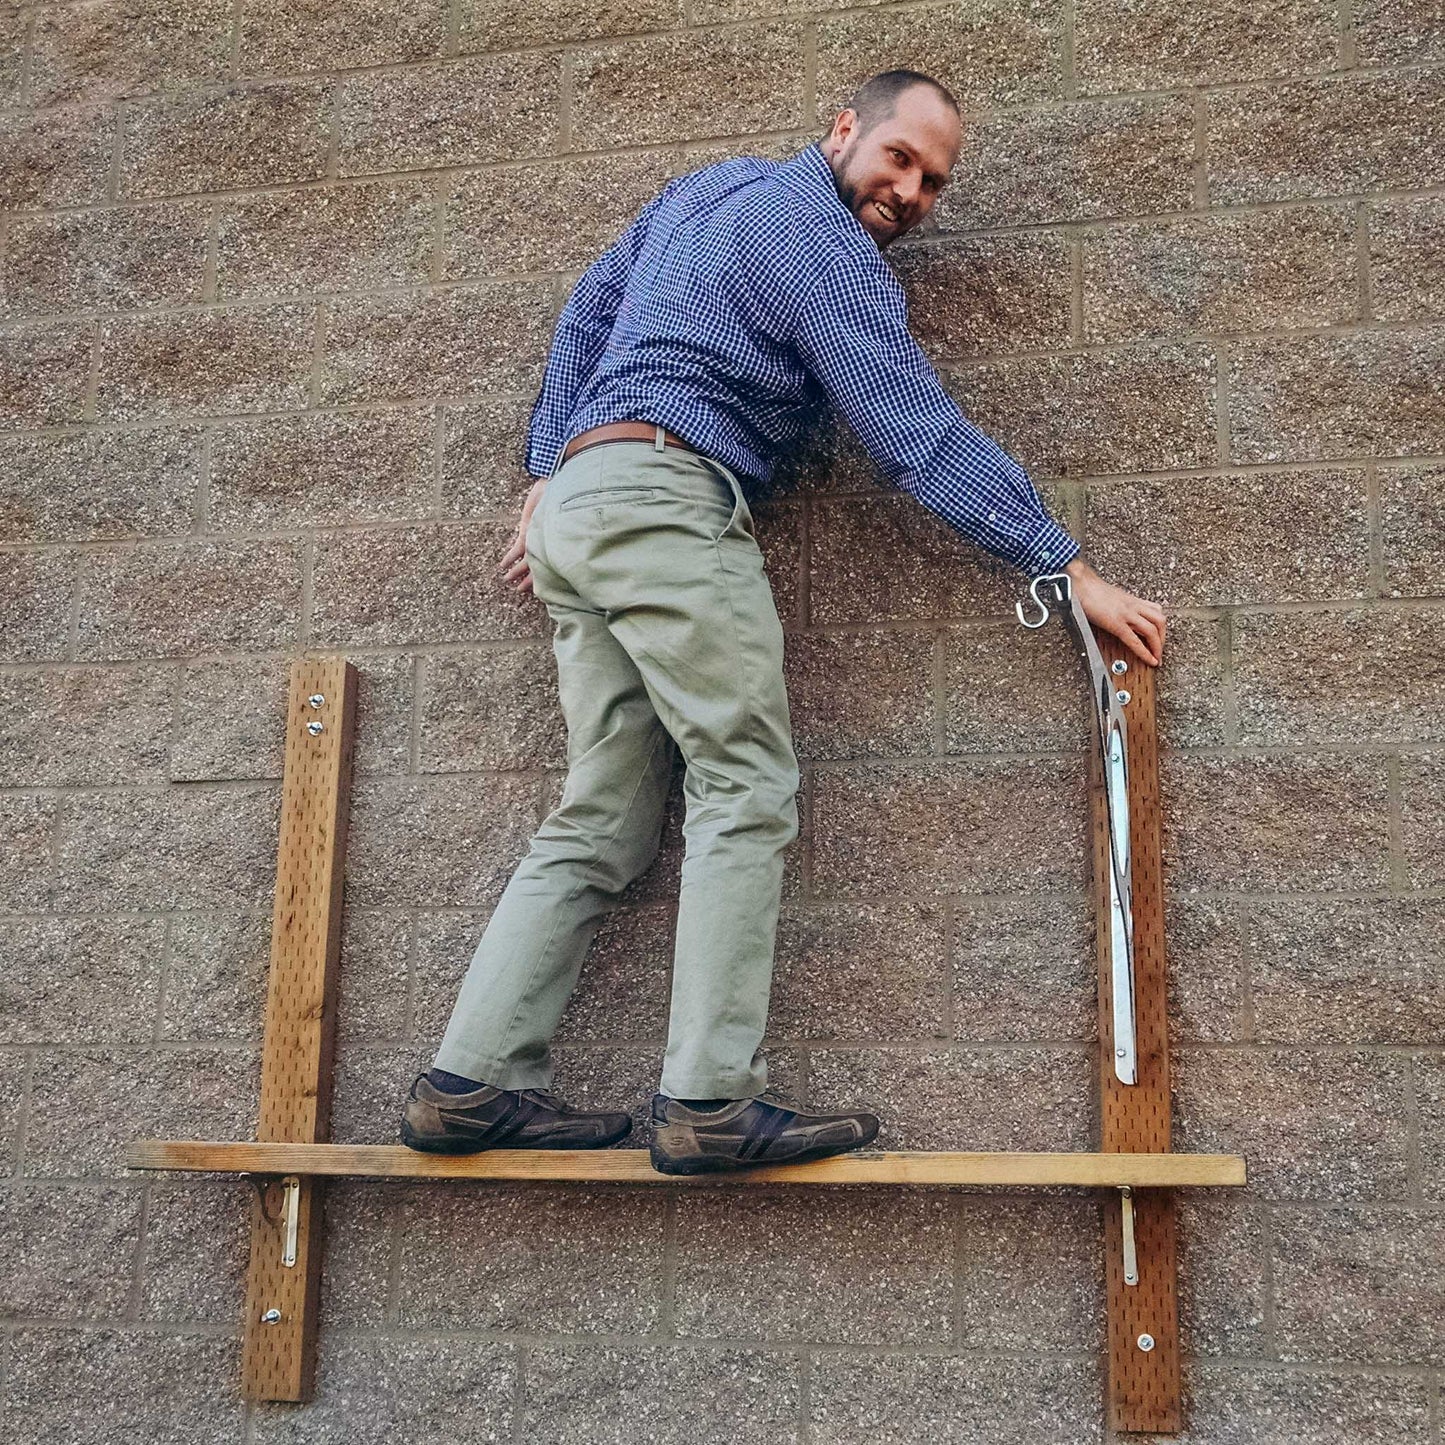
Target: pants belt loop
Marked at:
659, 440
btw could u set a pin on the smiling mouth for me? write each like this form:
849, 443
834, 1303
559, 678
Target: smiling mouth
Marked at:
888, 213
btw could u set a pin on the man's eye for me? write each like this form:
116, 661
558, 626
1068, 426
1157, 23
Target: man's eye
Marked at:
900, 158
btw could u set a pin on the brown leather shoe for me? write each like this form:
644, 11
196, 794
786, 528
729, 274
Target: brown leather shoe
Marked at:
748, 1132
440, 1123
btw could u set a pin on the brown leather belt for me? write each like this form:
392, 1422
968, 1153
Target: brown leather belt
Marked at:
620, 431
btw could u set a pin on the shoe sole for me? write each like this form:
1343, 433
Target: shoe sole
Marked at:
688, 1164
460, 1144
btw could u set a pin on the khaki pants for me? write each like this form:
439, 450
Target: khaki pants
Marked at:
665, 632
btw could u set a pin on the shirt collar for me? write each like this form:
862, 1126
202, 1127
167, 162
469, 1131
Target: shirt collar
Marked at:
810, 175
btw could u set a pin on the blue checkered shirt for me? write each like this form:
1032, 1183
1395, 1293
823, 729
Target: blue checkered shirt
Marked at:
742, 298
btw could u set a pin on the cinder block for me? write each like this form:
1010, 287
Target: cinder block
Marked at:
173, 599
361, 1223
1072, 162
373, 985
1122, 46
27, 825
1412, 529
457, 113
1422, 786
1279, 823
419, 586
1429, 1079
278, 38
1346, 395
35, 594
198, 1247
343, 238
483, 452
112, 260
56, 157
1407, 267
555, 1261
13, 1069
13, 27
1143, 409
218, 140
1397, 32
484, 338
1206, 943
216, 978
1313, 1127
44, 368
1221, 1274
1259, 271
492, 709
240, 359
688, 86
1325, 137
956, 827
89, 486
331, 469
1239, 537
778, 527
112, 50
80, 980
1190, 684
368, 1092
987, 55
84, 725
488, 25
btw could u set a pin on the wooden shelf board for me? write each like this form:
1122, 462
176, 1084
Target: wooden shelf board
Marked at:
631, 1166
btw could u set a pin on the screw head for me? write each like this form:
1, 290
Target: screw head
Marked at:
1119, 1053
316, 699
1146, 1343
315, 729
1123, 697
271, 1317
1119, 668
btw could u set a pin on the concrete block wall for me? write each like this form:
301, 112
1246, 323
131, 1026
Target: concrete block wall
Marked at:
276, 283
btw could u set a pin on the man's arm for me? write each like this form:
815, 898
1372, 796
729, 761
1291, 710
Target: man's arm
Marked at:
853, 335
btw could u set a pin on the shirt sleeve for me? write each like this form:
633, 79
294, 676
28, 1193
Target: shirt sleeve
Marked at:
578, 343
853, 335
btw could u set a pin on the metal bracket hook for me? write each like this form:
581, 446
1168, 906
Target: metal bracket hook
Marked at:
287, 1215
1059, 582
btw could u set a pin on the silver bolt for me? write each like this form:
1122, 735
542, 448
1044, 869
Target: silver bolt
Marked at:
1119, 1053
1122, 696
1119, 668
271, 1317
316, 699
1146, 1343
315, 729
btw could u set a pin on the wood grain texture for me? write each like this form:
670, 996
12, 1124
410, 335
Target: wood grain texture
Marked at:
1143, 1386
278, 1360
631, 1166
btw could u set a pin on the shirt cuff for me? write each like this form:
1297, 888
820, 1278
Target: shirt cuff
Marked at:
1047, 549
542, 456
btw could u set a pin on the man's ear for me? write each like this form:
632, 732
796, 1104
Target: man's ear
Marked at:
843, 127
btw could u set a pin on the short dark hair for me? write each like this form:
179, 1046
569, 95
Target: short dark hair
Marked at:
877, 98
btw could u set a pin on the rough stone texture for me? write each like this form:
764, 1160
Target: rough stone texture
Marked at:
44, 369
689, 86
1023, 971
856, 1267
13, 1070
1240, 537
90, 487
329, 470
1412, 530
369, 1090
1325, 137
1141, 409
373, 982
1261, 271
964, 1098
281, 37
861, 694
1209, 970
216, 977
948, 828
1422, 788
113, 49
674, 1396
1407, 263
893, 1399
1371, 393
84, 725
448, 343
197, 1249
1072, 162
1123, 46
1340, 677
240, 359
493, 709
79, 980
74, 1385
1222, 1267
487, 25
361, 1216
1429, 1076
35, 595
483, 465
1360, 1284
557, 1261
1258, 824
69, 1252
175, 599
110, 260
1326, 1126
343, 238
55, 157
27, 825
1190, 690
1397, 31
860, 973
225, 139
988, 55
445, 115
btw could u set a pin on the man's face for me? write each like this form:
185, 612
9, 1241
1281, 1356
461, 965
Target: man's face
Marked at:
891, 175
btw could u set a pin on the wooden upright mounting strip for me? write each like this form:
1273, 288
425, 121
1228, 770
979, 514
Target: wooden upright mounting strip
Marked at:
279, 1349
1144, 1384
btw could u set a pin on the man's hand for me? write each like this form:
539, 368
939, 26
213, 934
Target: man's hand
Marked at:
514, 567
1138, 624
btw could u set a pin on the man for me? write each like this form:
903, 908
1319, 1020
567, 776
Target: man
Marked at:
685, 363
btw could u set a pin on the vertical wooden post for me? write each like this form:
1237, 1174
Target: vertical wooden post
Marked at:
1143, 1383
279, 1349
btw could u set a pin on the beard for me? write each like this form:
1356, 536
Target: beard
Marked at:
858, 204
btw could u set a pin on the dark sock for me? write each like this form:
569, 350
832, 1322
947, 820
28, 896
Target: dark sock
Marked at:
706, 1106
452, 1083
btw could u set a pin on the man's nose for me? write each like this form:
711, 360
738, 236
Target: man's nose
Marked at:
906, 190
